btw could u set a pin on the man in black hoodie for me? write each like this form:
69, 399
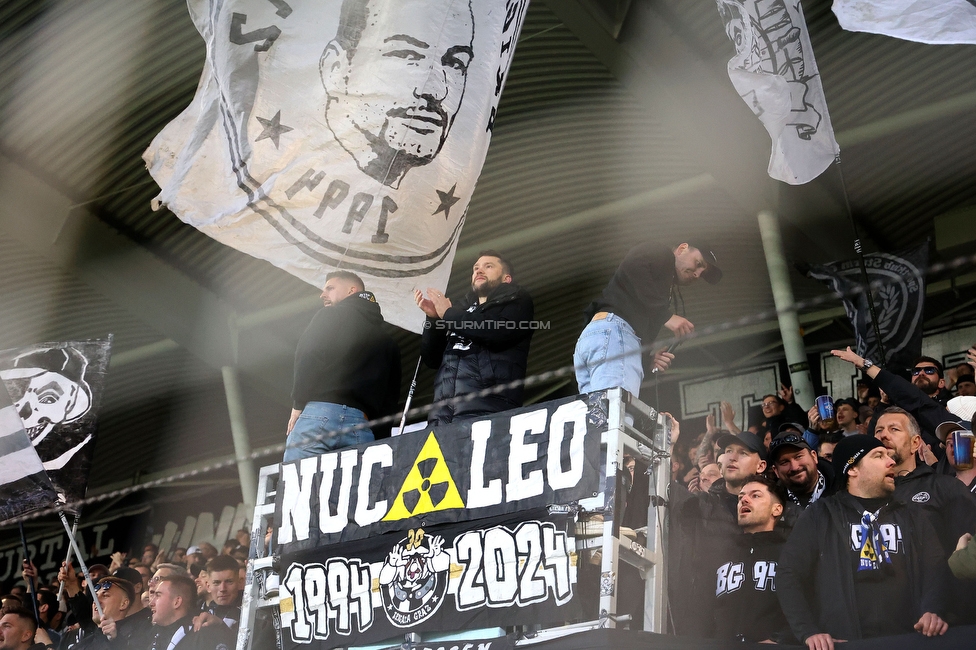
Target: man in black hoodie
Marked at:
347, 371
860, 563
480, 343
746, 606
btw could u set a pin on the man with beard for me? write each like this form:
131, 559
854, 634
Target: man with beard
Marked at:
928, 412
347, 370
928, 375
804, 476
951, 506
395, 80
861, 563
633, 308
480, 343
746, 606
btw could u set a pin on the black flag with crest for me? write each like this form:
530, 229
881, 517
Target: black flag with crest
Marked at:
898, 289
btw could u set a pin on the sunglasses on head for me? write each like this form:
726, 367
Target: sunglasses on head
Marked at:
928, 370
103, 586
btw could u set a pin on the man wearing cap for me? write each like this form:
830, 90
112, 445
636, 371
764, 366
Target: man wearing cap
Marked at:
701, 525
860, 563
631, 311
745, 603
802, 474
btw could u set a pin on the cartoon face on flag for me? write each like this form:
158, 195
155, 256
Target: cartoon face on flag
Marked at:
56, 389
775, 73
346, 135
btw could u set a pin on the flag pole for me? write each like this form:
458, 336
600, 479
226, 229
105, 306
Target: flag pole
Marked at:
30, 579
864, 269
81, 562
71, 548
413, 387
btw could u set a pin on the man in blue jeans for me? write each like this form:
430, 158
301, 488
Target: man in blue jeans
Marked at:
633, 308
347, 371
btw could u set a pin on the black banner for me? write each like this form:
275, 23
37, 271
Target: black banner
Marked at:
899, 300
97, 540
56, 389
496, 465
509, 570
24, 485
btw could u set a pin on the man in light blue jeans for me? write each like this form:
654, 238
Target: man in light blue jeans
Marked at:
347, 370
633, 308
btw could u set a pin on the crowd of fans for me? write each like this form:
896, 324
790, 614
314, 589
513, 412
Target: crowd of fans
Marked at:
804, 529
189, 599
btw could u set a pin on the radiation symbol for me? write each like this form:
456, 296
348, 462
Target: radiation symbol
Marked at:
429, 486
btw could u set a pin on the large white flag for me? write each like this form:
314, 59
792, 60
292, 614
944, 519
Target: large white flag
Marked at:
775, 73
939, 22
340, 135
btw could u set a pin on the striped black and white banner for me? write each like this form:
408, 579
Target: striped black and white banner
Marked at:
24, 485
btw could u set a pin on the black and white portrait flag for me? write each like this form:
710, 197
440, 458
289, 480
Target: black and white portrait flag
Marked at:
937, 22
340, 135
56, 389
898, 281
775, 73
24, 486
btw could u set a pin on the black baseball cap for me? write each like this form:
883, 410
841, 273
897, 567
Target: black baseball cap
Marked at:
747, 439
712, 273
129, 575
850, 450
790, 426
787, 439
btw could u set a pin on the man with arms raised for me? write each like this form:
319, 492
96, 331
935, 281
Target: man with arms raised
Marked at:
632, 310
860, 563
347, 371
478, 344
173, 606
804, 476
746, 607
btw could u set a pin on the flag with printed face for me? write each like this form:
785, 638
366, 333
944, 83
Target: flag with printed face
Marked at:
937, 22
24, 485
775, 73
56, 389
340, 135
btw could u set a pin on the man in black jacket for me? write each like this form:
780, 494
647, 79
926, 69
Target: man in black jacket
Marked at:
347, 371
700, 524
860, 563
746, 606
481, 343
632, 309
173, 605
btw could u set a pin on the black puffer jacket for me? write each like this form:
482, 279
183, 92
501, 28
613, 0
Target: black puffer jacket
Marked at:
475, 347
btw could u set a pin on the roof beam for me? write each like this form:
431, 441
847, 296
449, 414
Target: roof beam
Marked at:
45, 221
661, 71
